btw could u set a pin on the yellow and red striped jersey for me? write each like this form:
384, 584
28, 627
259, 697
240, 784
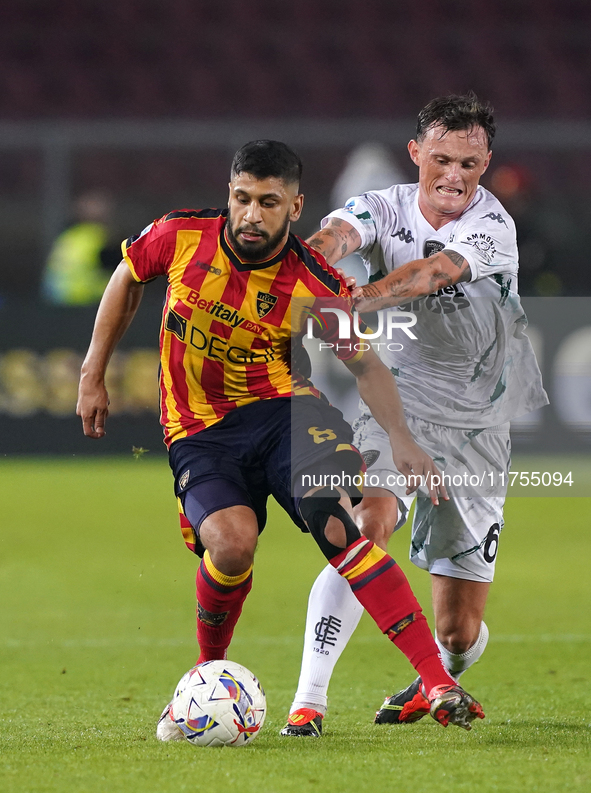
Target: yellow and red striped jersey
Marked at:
228, 325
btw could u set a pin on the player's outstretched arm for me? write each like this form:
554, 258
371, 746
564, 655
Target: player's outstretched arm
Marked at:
413, 280
115, 312
378, 389
336, 240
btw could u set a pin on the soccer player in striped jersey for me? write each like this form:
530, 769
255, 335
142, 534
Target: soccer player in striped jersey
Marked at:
241, 418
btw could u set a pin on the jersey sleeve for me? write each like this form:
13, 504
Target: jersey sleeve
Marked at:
369, 214
488, 242
150, 253
366, 214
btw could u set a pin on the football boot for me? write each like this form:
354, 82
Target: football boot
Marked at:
405, 707
304, 722
453, 705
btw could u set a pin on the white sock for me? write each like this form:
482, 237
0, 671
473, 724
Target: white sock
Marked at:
333, 614
457, 663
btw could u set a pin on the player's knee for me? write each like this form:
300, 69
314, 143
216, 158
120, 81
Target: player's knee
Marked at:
329, 523
231, 561
231, 546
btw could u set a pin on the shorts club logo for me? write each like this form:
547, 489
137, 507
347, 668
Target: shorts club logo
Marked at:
184, 479
265, 302
370, 457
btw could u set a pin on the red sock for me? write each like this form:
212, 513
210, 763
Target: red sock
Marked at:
416, 641
219, 604
383, 590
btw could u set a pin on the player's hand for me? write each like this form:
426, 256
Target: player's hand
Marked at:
350, 280
362, 303
418, 468
93, 408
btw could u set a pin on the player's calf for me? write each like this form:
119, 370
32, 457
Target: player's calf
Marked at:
377, 516
219, 604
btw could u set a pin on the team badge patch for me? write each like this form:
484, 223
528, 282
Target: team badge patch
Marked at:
265, 302
431, 247
370, 457
209, 618
184, 479
484, 244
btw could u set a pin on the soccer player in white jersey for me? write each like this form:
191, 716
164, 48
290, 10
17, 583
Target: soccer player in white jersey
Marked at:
444, 249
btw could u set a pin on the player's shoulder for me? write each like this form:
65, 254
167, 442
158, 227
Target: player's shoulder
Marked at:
487, 207
179, 219
314, 268
192, 218
395, 196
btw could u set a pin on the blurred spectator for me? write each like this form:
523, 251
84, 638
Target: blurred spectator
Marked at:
83, 257
549, 240
369, 166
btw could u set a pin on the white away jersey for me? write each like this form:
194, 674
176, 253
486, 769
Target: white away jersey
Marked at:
471, 366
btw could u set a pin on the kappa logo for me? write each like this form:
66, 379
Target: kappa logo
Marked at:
404, 235
498, 217
184, 479
265, 303
431, 247
370, 457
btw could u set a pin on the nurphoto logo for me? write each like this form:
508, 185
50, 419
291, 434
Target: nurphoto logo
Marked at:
388, 322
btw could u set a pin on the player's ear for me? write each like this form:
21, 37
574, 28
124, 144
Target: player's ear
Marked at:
229, 192
487, 161
414, 151
296, 207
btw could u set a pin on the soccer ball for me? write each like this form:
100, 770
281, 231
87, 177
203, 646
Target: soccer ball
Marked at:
219, 703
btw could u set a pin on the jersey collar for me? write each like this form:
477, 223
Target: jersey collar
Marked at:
446, 229
242, 266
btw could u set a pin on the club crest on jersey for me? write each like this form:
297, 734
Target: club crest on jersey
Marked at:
265, 302
431, 247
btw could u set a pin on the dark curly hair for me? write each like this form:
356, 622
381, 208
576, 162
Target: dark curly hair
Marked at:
265, 158
457, 112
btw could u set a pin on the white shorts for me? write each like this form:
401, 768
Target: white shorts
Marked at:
460, 537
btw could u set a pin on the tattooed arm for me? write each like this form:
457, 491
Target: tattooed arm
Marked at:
336, 240
415, 279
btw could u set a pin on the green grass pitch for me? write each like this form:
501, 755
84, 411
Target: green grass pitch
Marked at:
97, 594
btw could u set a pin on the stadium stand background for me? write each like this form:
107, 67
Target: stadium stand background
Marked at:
68, 62
148, 100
